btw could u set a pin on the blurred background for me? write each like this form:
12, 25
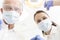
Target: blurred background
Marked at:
29, 7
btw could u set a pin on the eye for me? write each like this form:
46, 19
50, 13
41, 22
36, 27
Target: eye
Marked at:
44, 18
8, 8
38, 21
16, 9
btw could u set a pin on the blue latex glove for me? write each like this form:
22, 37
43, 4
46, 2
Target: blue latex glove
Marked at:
48, 4
0, 24
37, 38
0, 21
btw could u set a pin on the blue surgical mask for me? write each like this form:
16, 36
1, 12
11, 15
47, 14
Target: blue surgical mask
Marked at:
45, 25
11, 16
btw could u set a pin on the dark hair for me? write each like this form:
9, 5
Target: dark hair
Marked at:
40, 11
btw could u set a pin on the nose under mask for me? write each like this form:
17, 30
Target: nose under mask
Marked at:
11, 16
45, 25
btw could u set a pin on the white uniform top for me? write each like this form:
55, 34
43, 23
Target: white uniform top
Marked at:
9, 35
6, 34
54, 35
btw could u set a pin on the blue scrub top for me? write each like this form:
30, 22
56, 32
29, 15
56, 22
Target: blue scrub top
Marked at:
48, 4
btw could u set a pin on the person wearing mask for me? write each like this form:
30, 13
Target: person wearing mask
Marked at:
11, 13
46, 25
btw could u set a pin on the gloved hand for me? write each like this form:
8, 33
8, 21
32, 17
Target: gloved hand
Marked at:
0, 24
37, 38
0, 21
48, 4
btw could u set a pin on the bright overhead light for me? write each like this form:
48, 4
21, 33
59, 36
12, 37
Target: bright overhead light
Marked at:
34, 3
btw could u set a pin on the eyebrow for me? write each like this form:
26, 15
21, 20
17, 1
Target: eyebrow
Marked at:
39, 11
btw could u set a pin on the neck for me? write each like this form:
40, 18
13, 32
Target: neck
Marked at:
10, 26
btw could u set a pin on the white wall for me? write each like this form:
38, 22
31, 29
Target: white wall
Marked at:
54, 13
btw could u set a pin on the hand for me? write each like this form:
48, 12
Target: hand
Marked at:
48, 4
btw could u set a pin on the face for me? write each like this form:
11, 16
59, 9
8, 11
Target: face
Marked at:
40, 17
11, 6
8, 7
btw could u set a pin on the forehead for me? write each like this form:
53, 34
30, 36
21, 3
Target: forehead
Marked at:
40, 15
12, 2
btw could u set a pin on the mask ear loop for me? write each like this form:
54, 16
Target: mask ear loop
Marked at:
5, 22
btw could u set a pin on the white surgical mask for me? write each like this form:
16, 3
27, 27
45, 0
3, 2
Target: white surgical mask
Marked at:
11, 16
45, 25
